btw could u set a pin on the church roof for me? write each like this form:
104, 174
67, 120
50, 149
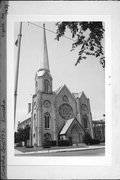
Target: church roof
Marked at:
64, 87
66, 126
58, 90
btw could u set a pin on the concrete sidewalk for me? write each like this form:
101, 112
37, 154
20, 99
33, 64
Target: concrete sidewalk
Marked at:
61, 150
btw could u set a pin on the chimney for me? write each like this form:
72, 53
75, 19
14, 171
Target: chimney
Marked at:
29, 107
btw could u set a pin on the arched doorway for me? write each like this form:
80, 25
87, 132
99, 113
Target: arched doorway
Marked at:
76, 135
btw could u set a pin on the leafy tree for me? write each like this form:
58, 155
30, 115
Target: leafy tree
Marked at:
87, 35
87, 138
22, 135
16, 136
26, 133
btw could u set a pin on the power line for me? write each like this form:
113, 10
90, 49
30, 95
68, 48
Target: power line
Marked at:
50, 31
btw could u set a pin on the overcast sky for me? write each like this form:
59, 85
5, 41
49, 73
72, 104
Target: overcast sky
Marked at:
88, 76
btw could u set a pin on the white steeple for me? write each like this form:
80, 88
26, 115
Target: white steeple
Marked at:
44, 62
43, 79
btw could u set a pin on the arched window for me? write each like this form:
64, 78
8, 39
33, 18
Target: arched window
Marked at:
46, 86
85, 121
65, 98
47, 119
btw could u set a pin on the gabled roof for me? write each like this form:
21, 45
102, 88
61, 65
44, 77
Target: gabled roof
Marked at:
66, 126
58, 90
61, 88
25, 117
77, 95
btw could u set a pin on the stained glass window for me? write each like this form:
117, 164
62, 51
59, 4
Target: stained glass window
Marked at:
66, 111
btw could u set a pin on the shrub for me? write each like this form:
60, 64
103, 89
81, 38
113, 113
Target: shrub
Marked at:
29, 146
103, 141
47, 144
95, 141
53, 143
63, 143
87, 138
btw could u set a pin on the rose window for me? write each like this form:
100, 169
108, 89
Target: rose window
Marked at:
66, 111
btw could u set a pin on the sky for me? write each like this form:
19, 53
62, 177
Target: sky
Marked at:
87, 76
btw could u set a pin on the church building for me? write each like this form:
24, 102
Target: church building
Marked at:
57, 115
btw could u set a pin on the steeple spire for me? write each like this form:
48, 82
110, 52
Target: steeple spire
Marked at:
44, 62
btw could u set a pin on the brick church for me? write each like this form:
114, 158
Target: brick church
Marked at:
58, 114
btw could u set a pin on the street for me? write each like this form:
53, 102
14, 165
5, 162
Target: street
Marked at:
95, 152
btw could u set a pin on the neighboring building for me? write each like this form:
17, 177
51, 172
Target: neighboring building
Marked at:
57, 114
26, 120
24, 123
99, 129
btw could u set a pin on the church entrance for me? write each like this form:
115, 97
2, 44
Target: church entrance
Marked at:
76, 135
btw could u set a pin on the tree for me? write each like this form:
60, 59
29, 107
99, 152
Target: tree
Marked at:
26, 134
22, 135
16, 137
87, 138
87, 35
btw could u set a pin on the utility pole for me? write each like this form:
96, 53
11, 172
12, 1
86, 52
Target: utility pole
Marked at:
17, 72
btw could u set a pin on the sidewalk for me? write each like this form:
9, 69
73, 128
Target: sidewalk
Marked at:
66, 149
